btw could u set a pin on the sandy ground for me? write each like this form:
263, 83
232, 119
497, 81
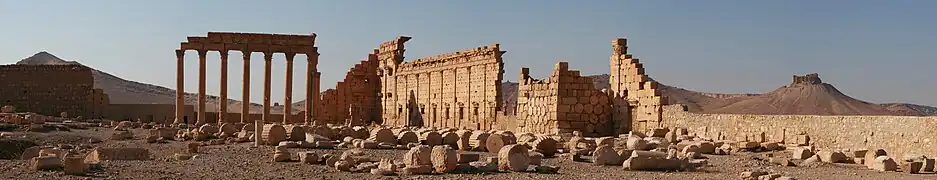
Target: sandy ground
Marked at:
243, 161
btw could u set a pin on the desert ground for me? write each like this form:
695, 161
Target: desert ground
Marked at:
244, 161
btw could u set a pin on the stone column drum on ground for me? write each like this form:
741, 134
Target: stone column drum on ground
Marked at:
246, 88
288, 94
180, 85
223, 104
200, 114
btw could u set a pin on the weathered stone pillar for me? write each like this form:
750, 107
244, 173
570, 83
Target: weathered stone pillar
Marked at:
201, 87
180, 87
223, 104
288, 93
268, 57
246, 86
312, 87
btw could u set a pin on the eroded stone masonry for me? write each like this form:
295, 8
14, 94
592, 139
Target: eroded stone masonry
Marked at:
353, 100
51, 90
460, 89
562, 103
636, 100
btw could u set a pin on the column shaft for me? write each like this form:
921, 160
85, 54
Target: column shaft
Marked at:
180, 87
268, 57
223, 104
201, 88
288, 92
246, 88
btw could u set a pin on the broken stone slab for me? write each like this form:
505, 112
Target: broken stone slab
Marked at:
468, 157
781, 161
514, 158
46, 163
811, 160
770, 146
308, 157
387, 165
192, 147
484, 166
545, 169
418, 156
872, 155
752, 175
444, 159
802, 153
74, 166
883, 163
128, 154
658, 132
832, 157
928, 165
645, 163
182, 156
606, 155
417, 170
912, 167
637, 143
121, 135
343, 165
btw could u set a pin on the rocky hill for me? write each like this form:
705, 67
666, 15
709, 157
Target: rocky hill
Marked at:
122, 91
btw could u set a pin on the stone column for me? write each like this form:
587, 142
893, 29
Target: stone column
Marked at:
201, 88
288, 93
312, 88
223, 104
268, 57
246, 88
180, 87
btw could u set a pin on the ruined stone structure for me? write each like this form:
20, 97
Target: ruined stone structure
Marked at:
459, 90
899, 135
247, 43
50, 89
100, 102
636, 100
812, 78
158, 113
353, 100
562, 103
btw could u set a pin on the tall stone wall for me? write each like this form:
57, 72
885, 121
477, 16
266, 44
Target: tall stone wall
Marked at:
158, 113
100, 102
637, 101
562, 103
456, 90
48, 89
353, 100
899, 135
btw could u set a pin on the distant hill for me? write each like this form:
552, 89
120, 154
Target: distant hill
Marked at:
122, 91
806, 98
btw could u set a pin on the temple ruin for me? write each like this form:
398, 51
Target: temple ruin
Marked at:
52, 89
247, 43
562, 103
455, 90
636, 102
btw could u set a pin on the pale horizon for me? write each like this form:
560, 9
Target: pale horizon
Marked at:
873, 51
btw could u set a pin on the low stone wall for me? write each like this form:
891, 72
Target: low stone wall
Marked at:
898, 135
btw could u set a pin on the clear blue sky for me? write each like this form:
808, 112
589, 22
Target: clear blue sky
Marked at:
879, 51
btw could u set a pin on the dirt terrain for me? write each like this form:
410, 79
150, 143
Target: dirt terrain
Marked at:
243, 161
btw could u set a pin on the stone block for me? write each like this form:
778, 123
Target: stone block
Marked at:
928, 165
606, 155
46, 163
128, 154
308, 157
802, 153
513, 158
444, 159
912, 167
883, 163
781, 161
832, 156
467, 157
419, 156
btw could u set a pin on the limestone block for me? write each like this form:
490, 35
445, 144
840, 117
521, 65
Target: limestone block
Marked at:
832, 157
912, 167
419, 155
295, 133
387, 165
74, 166
121, 135
466, 157
802, 153
46, 163
691, 151
478, 140
883, 163
464, 137
227, 128
770, 146
496, 141
208, 129
281, 156
928, 165
360, 132
653, 164
545, 145
637, 143
407, 137
657, 132
781, 161
801, 140
451, 139
273, 133
606, 155
431, 138
706, 147
872, 155
192, 147
383, 135
417, 169
513, 157
444, 159
127, 154
747, 145
182, 156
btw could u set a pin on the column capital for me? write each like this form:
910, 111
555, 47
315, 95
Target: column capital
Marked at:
180, 53
202, 52
268, 56
290, 56
223, 53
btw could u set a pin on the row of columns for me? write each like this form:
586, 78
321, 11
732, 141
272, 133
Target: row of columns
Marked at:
312, 87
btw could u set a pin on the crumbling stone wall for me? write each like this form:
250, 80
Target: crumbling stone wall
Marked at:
48, 89
158, 113
899, 135
100, 102
353, 100
637, 101
458, 90
562, 103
